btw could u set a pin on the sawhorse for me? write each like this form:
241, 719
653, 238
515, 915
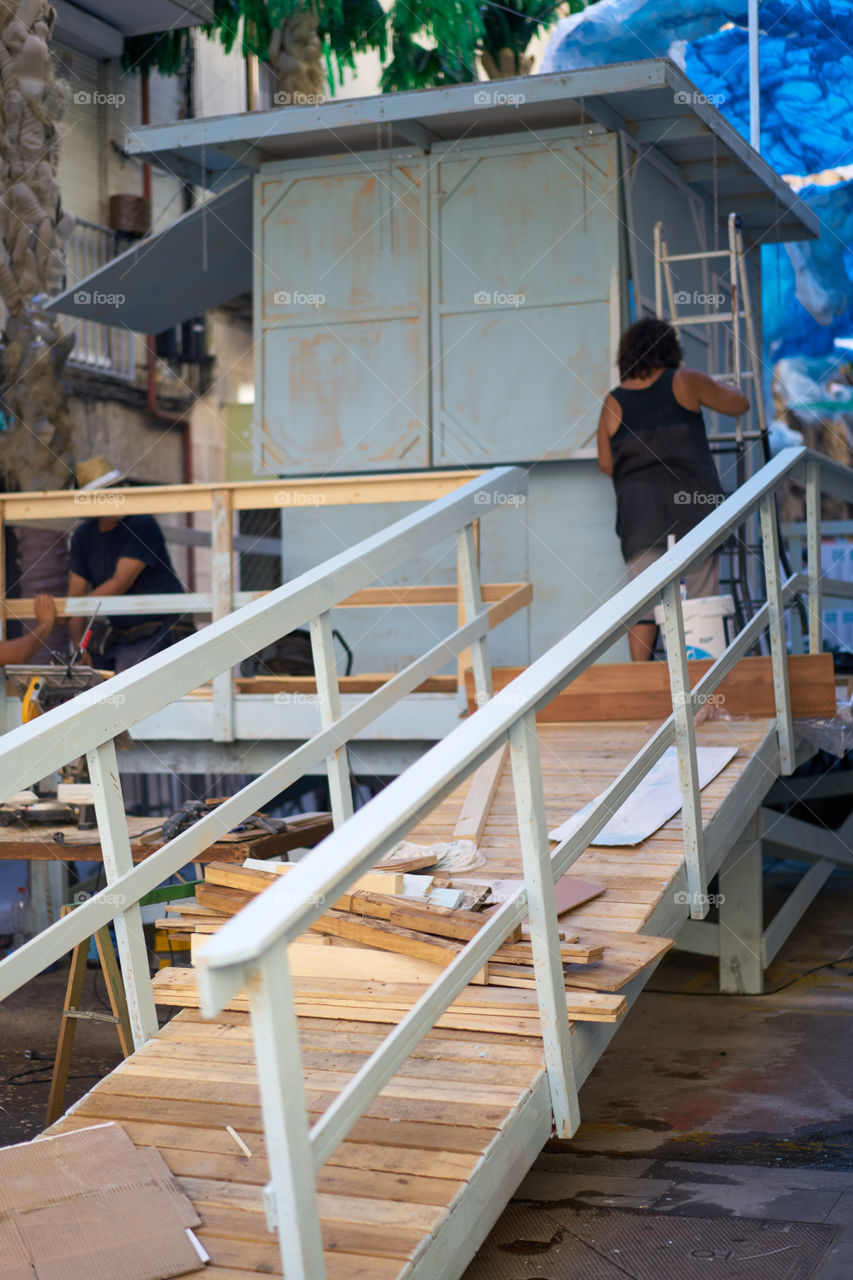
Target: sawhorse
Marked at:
71, 1013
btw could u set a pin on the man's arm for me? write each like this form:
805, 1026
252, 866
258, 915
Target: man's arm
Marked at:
23, 648
126, 572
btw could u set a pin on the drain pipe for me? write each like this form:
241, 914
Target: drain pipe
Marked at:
181, 421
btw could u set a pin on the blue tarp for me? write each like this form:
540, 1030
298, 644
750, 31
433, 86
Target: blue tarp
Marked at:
806, 74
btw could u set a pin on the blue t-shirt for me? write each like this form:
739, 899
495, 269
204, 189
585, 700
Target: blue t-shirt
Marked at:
94, 555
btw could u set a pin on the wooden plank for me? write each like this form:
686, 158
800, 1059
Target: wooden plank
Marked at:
445, 922
474, 814
387, 937
255, 495
364, 963
630, 691
366, 683
380, 997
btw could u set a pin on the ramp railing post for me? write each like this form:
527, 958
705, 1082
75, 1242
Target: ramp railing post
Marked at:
813, 560
544, 934
472, 604
685, 746
776, 630
290, 1197
328, 692
222, 587
118, 861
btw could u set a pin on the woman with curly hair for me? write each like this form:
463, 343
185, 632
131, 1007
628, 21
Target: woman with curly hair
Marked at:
652, 442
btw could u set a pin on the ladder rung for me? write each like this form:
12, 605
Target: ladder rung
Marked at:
730, 436
729, 373
692, 257
724, 318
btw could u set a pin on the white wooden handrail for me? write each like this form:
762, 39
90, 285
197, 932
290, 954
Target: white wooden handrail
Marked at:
250, 950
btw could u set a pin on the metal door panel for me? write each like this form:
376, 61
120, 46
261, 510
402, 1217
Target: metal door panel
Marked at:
513, 391
341, 303
343, 397
525, 296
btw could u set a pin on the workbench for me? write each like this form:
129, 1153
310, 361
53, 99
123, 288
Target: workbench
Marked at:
37, 843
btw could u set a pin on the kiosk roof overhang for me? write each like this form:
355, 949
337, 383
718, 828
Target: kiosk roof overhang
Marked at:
652, 101
205, 258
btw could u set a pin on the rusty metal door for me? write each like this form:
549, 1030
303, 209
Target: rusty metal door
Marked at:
525, 286
341, 302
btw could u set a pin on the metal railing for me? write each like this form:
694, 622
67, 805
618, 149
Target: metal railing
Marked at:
250, 951
100, 348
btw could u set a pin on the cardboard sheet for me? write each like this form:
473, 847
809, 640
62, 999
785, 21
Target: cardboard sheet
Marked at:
654, 801
89, 1205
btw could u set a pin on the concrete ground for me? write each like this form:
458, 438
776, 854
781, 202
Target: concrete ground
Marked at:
709, 1107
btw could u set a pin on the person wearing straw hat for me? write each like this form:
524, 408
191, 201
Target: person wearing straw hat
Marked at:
115, 556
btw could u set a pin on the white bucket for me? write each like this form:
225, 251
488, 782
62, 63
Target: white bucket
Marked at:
705, 624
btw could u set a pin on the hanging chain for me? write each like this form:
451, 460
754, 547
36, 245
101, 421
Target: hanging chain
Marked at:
391, 186
380, 187
583, 161
204, 210
716, 191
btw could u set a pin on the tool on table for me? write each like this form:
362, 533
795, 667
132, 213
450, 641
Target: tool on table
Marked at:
86, 639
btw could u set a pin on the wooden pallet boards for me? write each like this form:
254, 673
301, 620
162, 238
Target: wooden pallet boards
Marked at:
484, 1006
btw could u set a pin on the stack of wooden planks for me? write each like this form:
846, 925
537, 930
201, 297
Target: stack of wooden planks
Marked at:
377, 948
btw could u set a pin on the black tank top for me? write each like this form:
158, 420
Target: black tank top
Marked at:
663, 471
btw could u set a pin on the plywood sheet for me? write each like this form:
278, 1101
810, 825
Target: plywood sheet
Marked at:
653, 802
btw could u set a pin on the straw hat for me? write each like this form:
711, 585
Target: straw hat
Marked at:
96, 473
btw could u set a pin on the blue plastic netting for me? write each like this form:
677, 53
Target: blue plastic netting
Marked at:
806, 71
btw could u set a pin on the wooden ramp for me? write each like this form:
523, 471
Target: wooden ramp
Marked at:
425, 1173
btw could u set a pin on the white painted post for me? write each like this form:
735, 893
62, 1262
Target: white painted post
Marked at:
291, 1194
742, 914
685, 745
776, 629
222, 587
118, 861
472, 601
328, 691
658, 270
544, 935
754, 91
813, 564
